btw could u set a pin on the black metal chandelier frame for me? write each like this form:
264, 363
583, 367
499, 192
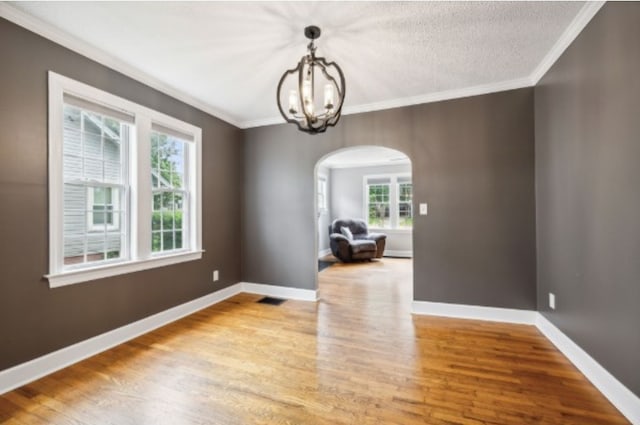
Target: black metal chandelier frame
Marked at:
306, 119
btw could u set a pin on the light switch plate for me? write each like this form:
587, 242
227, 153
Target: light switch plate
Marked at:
423, 209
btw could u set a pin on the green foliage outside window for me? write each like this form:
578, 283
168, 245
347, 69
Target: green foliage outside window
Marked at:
405, 205
167, 160
379, 211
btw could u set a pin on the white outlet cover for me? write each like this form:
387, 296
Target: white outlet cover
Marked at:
216, 276
552, 301
423, 209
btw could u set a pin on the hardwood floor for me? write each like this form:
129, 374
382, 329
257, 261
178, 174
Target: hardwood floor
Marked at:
355, 357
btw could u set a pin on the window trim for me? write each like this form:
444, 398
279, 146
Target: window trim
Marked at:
140, 195
394, 201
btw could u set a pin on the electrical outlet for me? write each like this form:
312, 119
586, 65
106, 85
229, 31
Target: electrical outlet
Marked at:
423, 209
552, 301
216, 275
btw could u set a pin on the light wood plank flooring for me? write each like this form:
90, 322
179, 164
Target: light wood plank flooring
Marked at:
355, 357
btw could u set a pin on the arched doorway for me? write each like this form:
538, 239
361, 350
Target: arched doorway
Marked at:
371, 183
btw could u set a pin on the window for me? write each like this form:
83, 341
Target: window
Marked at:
322, 194
124, 185
389, 202
379, 208
168, 169
93, 169
104, 207
405, 203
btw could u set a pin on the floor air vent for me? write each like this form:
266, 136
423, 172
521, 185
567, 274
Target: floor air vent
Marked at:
271, 301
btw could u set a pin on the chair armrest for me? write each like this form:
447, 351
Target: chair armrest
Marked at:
338, 237
376, 236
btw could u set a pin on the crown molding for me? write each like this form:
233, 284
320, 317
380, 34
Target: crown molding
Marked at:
50, 32
439, 96
579, 22
576, 26
412, 100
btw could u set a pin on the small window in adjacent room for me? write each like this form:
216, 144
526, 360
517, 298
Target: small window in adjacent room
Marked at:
110, 211
322, 194
389, 202
405, 203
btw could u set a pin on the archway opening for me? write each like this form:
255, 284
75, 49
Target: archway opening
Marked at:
370, 187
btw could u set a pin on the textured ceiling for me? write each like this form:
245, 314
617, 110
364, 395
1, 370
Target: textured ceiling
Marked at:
230, 55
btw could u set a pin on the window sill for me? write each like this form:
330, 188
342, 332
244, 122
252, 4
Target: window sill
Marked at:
391, 231
85, 275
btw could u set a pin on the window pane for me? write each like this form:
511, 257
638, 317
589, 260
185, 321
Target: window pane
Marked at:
167, 200
74, 249
168, 155
112, 128
96, 245
99, 195
98, 217
168, 163
156, 220
74, 224
167, 220
112, 171
167, 241
92, 145
178, 201
92, 169
92, 123
405, 205
178, 219
113, 245
156, 242
157, 202
72, 167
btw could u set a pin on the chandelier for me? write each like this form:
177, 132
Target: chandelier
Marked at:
313, 75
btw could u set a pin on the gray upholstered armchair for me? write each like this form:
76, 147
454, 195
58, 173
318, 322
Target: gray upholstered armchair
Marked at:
350, 240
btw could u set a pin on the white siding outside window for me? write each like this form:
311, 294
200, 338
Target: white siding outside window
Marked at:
95, 185
111, 162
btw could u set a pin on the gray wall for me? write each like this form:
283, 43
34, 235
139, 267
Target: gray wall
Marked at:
324, 217
34, 319
347, 200
472, 160
588, 200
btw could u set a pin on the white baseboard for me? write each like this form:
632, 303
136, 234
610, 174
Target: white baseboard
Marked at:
37, 368
324, 252
24, 373
280, 291
462, 311
402, 254
619, 395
